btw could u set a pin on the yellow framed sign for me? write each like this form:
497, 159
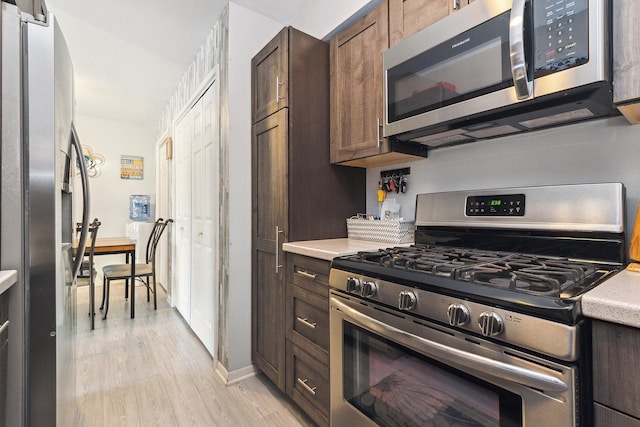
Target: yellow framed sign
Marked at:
131, 167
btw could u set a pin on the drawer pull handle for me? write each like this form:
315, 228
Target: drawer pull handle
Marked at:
306, 322
307, 274
311, 390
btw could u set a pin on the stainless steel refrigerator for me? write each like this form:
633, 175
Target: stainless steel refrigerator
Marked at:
39, 152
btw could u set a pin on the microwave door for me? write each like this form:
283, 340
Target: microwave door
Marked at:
441, 74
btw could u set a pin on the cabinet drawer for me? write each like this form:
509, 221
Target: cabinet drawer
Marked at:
309, 322
606, 417
308, 385
310, 273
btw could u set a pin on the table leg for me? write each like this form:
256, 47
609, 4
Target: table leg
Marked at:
92, 302
126, 281
133, 283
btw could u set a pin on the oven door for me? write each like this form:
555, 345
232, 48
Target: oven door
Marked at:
390, 369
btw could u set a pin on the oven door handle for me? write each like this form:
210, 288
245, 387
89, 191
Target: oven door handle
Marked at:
452, 356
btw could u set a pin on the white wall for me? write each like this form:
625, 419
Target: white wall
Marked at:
243, 45
603, 150
109, 193
322, 17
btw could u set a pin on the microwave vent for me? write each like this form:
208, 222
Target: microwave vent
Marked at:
441, 139
569, 116
493, 131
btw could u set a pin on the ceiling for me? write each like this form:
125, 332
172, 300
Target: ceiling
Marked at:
129, 56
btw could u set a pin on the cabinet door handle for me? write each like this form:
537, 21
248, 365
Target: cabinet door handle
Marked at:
278, 265
311, 390
306, 322
378, 126
456, 4
278, 84
4, 326
307, 274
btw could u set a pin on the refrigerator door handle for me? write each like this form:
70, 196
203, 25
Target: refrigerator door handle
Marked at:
84, 235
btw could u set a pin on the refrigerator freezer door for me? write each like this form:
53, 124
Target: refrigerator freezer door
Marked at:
50, 332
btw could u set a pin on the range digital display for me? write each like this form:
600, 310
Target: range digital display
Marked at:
504, 205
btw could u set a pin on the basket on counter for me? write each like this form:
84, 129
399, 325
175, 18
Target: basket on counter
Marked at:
384, 230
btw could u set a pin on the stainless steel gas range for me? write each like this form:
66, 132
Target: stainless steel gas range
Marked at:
478, 323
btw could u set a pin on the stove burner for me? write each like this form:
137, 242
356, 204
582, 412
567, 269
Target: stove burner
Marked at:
533, 274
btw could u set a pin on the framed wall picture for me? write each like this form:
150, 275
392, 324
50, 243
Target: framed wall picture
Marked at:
131, 167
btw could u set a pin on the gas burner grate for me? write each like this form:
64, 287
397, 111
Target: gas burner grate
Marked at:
533, 274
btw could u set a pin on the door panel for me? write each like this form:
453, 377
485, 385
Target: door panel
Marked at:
407, 17
181, 294
269, 164
269, 70
197, 213
162, 257
205, 216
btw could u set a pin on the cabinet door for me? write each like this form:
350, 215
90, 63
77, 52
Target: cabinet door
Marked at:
407, 17
626, 59
356, 87
616, 367
269, 77
607, 417
456, 5
269, 186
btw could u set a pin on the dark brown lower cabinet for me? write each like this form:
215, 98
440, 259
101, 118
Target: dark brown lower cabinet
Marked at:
307, 323
296, 193
616, 375
604, 416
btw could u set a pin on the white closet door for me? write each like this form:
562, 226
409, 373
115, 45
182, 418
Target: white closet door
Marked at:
162, 211
205, 214
196, 154
181, 295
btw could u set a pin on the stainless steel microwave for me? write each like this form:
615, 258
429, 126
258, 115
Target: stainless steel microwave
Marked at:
499, 67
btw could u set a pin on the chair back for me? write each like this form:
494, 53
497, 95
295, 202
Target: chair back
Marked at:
93, 234
154, 238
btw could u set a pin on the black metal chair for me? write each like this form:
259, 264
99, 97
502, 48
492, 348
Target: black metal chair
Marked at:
90, 269
145, 272
85, 268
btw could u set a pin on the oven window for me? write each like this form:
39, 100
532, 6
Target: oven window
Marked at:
395, 386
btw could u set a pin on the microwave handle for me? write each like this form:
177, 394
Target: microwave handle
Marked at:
521, 83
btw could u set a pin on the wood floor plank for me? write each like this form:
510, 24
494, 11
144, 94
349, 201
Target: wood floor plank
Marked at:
153, 371
154, 403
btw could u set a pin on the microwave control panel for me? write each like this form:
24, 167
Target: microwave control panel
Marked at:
561, 35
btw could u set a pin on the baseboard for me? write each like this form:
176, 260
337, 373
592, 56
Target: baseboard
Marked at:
236, 376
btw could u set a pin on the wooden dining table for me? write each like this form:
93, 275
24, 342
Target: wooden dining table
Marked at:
112, 246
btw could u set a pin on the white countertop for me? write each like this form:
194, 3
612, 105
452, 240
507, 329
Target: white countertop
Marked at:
615, 300
7, 279
330, 248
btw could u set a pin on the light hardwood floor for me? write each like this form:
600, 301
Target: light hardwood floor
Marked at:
152, 371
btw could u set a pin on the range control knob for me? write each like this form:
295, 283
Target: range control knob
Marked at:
353, 285
369, 289
458, 314
490, 323
406, 300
